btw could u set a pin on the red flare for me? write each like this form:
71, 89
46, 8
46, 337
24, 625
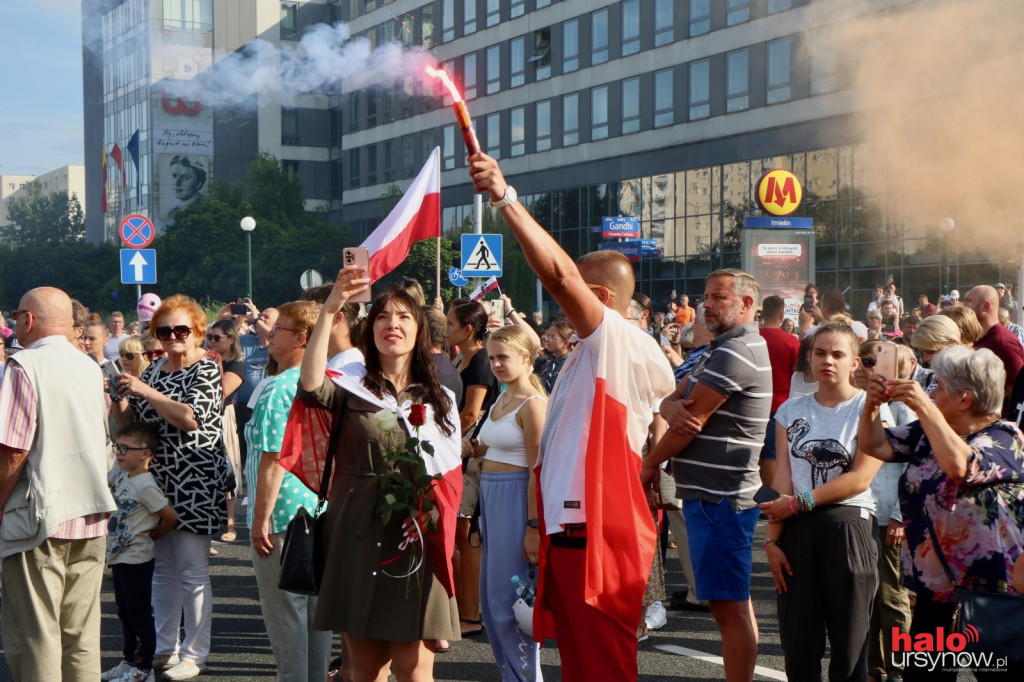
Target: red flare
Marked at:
461, 112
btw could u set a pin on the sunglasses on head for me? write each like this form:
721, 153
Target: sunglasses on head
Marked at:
181, 332
154, 354
216, 338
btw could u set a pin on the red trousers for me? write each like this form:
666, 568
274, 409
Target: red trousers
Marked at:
593, 646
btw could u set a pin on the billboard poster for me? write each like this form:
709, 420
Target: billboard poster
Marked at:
782, 261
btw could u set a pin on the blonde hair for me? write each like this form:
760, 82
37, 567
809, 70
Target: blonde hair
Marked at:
516, 338
966, 320
133, 344
935, 332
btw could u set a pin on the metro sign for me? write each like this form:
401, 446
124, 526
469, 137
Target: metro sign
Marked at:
779, 192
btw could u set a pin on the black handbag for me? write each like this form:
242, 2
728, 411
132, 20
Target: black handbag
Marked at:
990, 621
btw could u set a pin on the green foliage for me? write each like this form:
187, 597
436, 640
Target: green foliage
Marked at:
43, 219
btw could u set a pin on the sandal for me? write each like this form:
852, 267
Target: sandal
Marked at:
644, 634
476, 631
438, 649
229, 536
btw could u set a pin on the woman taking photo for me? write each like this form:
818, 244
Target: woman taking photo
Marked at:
556, 341
467, 327
509, 442
181, 395
133, 360
222, 339
385, 617
964, 478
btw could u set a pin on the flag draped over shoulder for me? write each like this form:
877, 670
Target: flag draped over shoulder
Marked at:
417, 216
306, 448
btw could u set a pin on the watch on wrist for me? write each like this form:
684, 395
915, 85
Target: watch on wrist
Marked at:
509, 198
532, 523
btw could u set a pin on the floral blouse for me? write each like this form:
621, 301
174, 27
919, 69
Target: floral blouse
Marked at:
979, 523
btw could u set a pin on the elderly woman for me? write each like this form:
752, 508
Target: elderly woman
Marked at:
935, 333
181, 395
964, 478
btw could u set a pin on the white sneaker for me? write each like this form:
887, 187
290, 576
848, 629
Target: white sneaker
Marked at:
136, 675
165, 662
657, 616
184, 671
117, 671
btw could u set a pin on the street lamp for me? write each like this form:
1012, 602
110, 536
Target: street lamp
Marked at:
248, 225
946, 225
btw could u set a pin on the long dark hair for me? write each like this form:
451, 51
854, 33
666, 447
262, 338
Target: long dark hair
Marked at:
422, 368
472, 313
227, 328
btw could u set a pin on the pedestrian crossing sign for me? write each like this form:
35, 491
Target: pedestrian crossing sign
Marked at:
481, 255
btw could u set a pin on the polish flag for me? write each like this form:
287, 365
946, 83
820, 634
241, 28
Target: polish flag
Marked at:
487, 287
417, 216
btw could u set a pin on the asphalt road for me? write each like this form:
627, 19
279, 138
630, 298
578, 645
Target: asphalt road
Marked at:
688, 648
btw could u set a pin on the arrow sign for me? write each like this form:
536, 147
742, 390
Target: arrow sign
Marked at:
138, 266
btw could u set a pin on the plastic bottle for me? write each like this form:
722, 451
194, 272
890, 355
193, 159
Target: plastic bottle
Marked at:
524, 590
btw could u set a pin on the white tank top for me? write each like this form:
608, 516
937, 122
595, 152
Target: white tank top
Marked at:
504, 438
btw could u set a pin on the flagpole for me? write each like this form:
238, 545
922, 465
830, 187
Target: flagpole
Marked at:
438, 280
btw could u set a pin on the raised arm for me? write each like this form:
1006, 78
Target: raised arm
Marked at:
350, 281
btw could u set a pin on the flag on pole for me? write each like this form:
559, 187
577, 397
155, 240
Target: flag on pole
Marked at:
486, 287
133, 151
103, 172
417, 216
115, 154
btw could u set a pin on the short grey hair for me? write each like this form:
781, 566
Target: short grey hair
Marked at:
743, 283
979, 373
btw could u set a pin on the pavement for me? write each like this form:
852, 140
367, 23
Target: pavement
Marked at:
687, 648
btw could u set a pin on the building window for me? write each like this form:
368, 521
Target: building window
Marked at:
779, 5
389, 105
543, 135
290, 169
371, 108
700, 17
371, 164
188, 15
599, 37
289, 27
823, 60
543, 3
493, 69
353, 167
664, 32
570, 45
408, 30
778, 71
493, 12
630, 27
289, 127
541, 58
447, 21
469, 17
494, 135
630, 105
353, 112
517, 131
736, 79
517, 62
570, 119
663, 112
427, 26
448, 147
599, 113
738, 12
469, 76
389, 160
517, 8
408, 156
700, 89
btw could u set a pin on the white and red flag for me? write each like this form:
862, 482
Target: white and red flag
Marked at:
486, 287
417, 216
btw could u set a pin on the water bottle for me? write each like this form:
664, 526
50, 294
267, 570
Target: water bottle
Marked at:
524, 590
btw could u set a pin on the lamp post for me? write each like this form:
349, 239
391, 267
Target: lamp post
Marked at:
248, 225
946, 225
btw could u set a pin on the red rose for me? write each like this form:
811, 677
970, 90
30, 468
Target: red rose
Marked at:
418, 415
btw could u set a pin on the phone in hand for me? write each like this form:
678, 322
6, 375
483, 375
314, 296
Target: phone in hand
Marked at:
886, 355
360, 257
111, 370
239, 309
765, 494
498, 309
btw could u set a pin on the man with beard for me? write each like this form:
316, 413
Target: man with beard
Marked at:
718, 417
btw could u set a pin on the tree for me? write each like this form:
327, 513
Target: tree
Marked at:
38, 218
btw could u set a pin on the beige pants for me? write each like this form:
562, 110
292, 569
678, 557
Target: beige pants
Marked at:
50, 609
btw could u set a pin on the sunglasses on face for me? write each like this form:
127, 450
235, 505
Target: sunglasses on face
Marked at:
181, 332
123, 449
128, 356
216, 338
869, 361
154, 354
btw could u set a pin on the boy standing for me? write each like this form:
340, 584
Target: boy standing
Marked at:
143, 515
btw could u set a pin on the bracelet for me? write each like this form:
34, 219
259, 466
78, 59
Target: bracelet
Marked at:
771, 541
509, 313
792, 506
532, 523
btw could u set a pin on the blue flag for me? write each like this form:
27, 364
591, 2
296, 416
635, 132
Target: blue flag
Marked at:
133, 150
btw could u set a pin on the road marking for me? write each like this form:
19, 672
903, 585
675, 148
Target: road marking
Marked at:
693, 653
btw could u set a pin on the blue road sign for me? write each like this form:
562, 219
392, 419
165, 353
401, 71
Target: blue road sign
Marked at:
456, 278
481, 255
630, 249
136, 231
620, 226
786, 222
138, 266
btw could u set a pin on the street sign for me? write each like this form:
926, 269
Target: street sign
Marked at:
481, 255
620, 226
310, 278
456, 278
769, 222
631, 249
136, 231
138, 266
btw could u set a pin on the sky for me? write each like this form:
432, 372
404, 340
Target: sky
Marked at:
40, 86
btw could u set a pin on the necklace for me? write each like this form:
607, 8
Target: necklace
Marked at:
507, 399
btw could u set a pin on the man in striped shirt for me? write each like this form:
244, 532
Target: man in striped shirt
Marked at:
718, 416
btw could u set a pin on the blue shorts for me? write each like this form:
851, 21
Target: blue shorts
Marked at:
721, 548
768, 451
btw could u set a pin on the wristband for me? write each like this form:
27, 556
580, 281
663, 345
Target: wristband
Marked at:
532, 523
792, 506
509, 313
771, 541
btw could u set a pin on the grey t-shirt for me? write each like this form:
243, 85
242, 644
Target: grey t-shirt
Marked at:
823, 442
138, 500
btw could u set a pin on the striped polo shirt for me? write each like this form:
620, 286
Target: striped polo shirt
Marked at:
721, 461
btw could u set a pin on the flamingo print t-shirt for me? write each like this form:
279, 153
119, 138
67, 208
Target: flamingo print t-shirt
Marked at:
822, 442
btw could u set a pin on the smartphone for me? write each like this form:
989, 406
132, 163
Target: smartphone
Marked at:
498, 309
765, 494
886, 354
111, 370
239, 309
359, 256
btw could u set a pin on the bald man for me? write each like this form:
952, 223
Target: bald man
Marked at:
53, 487
984, 301
597, 537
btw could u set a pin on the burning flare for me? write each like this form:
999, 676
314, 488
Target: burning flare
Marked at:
461, 112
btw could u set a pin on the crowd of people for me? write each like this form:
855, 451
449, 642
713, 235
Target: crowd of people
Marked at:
546, 460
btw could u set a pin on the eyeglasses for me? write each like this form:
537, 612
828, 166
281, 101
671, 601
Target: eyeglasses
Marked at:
123, 449
869, 361
284, 329
15, 313
154, 354
216, 338
128, 356
181, 332
601, 286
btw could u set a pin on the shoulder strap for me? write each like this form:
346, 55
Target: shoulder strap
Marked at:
938, 551
480, 422
325, 479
